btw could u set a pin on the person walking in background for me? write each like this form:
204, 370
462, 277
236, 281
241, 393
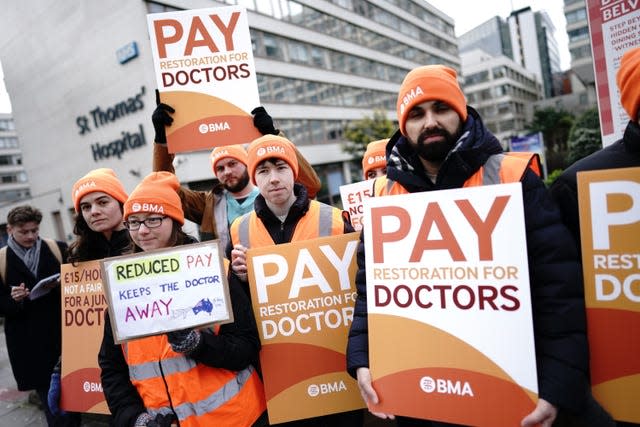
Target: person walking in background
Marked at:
98, 200
206, 375
443, 144
374, 160
32, 324
215, 210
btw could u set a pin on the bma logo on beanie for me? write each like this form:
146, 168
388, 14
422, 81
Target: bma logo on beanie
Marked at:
147, 207
375, 159
410, 96
270, 150
83, 187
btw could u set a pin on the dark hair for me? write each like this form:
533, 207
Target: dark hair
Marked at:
22, 214
178, 238
88, 243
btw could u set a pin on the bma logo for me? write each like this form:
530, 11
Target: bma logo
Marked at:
445, 386
410, 96
375, 159
315, 390
84, 186
271, 149
147, 207
221, 153
88, 386
213, 127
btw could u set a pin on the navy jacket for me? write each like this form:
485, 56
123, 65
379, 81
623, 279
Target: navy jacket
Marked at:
555, 274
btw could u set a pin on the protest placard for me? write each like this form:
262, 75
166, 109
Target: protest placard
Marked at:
302, 295
447, 272
614, 29
83, 307
353, 196
166, 290
609, 202
205, 70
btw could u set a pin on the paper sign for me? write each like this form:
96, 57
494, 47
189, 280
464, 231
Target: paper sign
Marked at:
353, 196
303, 295
166, 290
609, 230
447, 273
83, 308
614, 29
44, 286
204, 67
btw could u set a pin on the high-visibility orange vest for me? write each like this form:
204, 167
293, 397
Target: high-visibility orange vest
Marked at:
200, 395
499, 169
320, 220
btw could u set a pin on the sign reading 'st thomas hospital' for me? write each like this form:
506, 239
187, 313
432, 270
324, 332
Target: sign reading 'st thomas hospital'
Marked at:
205, 70
609, 232
166, 290
447, 272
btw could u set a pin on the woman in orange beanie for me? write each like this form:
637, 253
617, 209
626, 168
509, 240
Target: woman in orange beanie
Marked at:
193, 377
374, 160
98, 199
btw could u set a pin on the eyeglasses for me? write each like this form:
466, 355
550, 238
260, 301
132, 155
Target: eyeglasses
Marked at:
151, 222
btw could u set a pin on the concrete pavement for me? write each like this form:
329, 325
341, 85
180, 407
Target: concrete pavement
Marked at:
15, 409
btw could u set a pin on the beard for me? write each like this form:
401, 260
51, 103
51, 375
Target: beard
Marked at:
240, 185
435, 151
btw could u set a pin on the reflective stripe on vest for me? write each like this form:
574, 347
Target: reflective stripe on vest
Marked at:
499, 169
329, 221
198, 394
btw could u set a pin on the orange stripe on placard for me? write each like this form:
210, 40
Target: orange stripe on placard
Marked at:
614, 343
209, 132
85, 383
439, 394
620, 397
286, 364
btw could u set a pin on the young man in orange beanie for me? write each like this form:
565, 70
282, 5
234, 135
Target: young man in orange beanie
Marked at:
283, 213
443, 144
374, 160
233, 195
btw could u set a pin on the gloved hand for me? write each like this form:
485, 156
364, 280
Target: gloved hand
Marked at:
184, 341
160, 119
263, 121
162, 421
53, 396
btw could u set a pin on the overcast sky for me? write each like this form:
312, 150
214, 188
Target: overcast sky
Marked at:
467, 15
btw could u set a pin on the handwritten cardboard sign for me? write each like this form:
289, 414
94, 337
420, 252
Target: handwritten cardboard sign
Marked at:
83, 308
303, 295
166, 290
353, 196
447, 273
609, 203
205, 70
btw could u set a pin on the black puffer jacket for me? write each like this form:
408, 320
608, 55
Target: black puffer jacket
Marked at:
624, 153
555, 274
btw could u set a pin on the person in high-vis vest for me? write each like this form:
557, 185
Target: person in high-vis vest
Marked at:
283, 213
193, 377
443, 144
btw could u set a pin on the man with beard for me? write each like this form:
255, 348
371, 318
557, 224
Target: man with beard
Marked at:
443, 144
234, 194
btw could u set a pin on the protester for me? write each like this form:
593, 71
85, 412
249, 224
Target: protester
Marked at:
32, 324
443, 144
624, 153
233, 196
374, 161
98, 199
195, 377
283, 213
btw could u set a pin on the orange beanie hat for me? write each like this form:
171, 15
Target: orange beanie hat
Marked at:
430, 83
102, 179
270, 146
234, 151
156, 193
628, 79
375, 157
